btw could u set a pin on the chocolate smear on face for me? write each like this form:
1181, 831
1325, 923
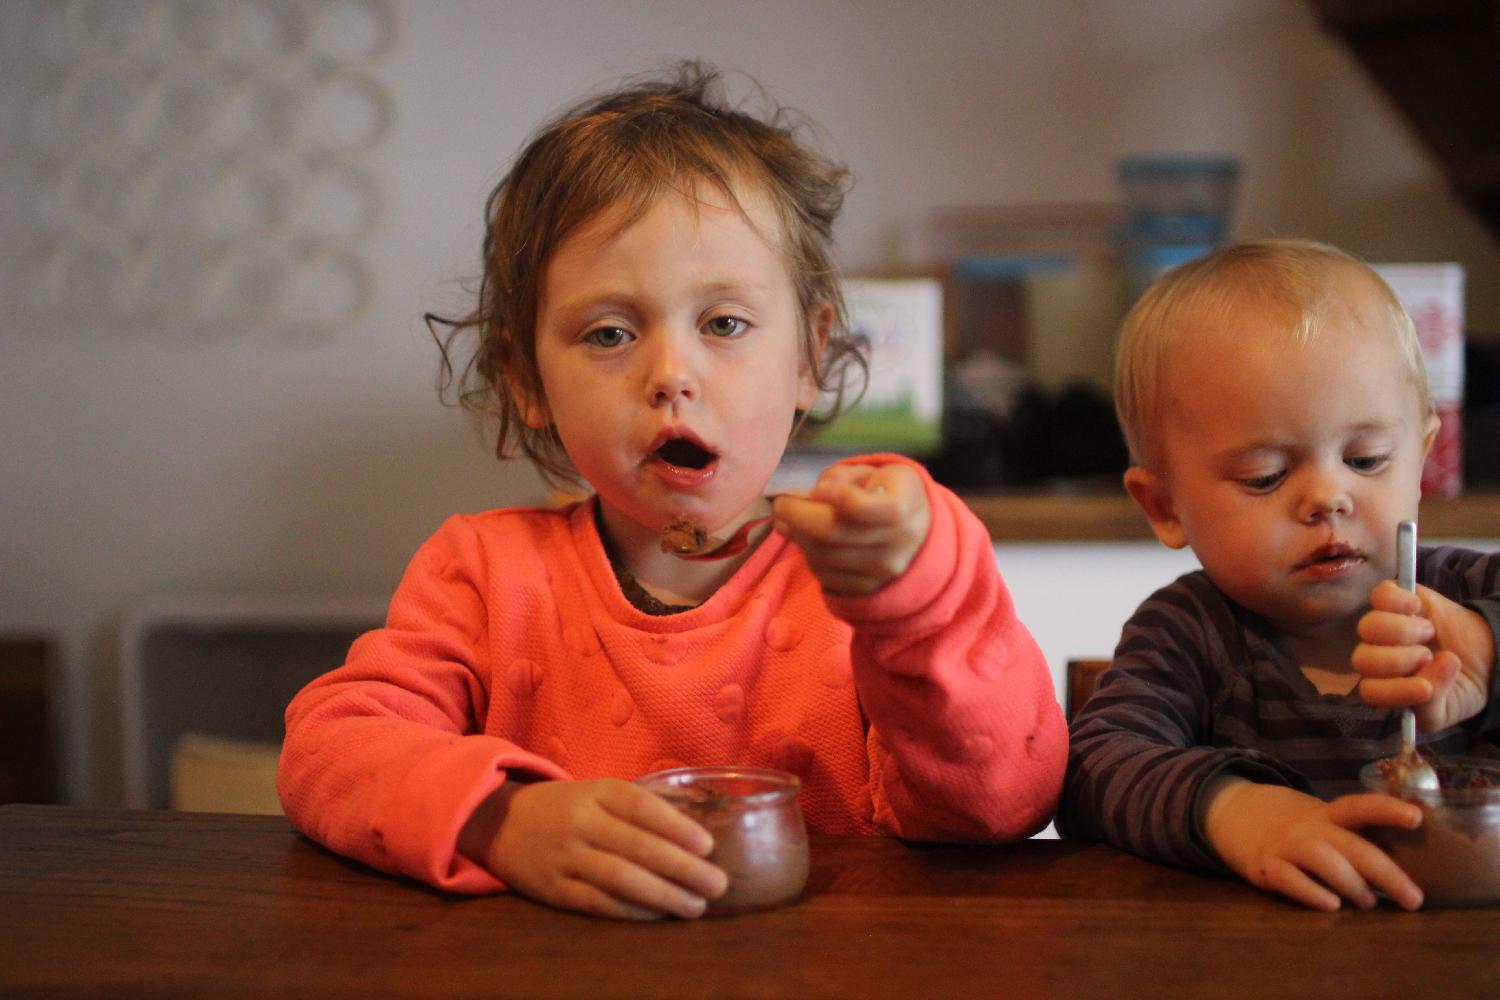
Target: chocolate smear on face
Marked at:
684, 536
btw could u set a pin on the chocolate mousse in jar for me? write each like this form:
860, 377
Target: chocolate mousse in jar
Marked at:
760, 840
1454, 856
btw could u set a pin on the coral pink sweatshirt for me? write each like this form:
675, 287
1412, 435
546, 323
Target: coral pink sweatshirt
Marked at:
924, 710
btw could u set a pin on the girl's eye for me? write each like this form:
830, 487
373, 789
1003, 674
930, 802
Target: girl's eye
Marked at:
1367, 463
724, 326
607, 336
1263, 484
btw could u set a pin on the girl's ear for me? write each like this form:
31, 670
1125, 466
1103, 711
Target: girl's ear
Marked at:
1151, 494
532, 409
819, 327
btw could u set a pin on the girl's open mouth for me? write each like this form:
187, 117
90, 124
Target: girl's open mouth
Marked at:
685, 454
682, 461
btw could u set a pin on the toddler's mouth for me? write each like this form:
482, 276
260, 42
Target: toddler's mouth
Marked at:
1337, 553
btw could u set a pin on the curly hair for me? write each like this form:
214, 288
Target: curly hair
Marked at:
620, 152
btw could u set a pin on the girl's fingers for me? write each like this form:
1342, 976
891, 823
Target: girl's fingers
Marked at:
659, 841
584, 897
869, 496
632, 887
804, 520
636, 808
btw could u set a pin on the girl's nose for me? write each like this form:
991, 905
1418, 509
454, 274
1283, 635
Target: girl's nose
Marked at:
671, 378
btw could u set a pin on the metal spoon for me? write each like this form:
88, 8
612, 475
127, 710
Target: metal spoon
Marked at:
706, 549
714, 548
1408, 770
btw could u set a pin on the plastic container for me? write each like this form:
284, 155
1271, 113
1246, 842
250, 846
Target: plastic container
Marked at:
760, 839
1177, 208
1198, 191
1455, 854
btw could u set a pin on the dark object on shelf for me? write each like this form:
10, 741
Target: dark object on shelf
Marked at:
1072, 435
28, 761
1481, 414
1085, 436
970, 456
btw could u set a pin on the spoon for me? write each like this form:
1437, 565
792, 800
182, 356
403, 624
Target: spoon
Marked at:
685, 540
1408, 770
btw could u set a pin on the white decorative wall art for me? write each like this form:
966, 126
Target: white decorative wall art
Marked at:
198, 167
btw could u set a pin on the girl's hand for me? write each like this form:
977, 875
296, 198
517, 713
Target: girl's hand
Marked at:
1286, 841
604, 847
860, 526
1423, 650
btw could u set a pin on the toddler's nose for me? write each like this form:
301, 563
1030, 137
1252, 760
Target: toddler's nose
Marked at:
1326, 498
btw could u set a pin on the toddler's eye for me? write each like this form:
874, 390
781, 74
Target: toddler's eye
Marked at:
1367, 463
1263, 484
607, 336
724, 326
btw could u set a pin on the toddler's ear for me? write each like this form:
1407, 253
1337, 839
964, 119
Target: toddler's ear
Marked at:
1430, 432
1151, 494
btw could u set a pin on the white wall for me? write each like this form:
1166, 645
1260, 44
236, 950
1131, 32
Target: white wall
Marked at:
136, 465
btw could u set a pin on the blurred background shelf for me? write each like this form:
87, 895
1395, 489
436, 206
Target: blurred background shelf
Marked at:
1105, 515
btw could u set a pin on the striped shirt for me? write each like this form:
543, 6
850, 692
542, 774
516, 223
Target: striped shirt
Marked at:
1200, 686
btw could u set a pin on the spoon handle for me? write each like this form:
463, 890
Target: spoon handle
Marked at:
1406, 579
1406, 555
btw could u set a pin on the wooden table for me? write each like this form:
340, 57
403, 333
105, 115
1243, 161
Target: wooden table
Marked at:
118, 904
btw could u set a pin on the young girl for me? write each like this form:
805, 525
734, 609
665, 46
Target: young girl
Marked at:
658, 313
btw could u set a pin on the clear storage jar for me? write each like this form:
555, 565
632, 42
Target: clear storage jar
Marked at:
760, 839
1455, 854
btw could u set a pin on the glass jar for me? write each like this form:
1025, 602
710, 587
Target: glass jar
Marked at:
1455, 854
759, 838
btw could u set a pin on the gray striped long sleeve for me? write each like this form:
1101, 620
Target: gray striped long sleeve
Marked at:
1200, 686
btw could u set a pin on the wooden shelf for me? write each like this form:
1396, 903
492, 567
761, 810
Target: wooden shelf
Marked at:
1056, 516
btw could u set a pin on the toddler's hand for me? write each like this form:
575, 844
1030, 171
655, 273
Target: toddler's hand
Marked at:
1424, 650
1286, 841
605, 847
860, 526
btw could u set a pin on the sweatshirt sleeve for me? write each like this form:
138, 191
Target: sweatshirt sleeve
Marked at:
383, 759
1138, 758
966, 739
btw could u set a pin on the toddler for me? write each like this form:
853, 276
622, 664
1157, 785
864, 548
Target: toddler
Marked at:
658, 313
1276, 406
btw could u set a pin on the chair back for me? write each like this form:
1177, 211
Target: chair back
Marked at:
1082, 675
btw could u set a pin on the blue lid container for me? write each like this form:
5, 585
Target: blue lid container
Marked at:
1174, 186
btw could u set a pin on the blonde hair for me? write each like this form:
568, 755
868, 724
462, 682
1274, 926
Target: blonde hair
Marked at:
1295, 273
620, 152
